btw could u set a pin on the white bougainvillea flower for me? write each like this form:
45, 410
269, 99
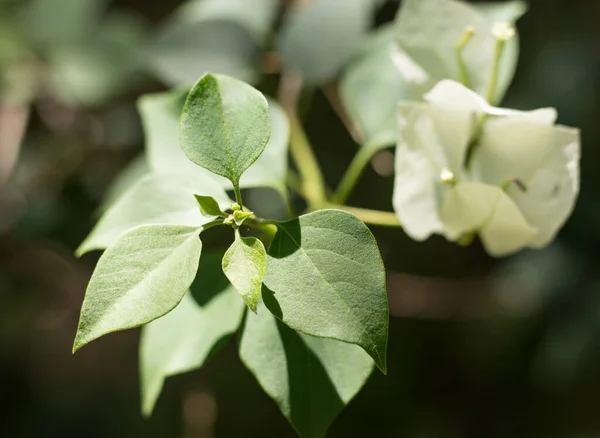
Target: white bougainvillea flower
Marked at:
516, 190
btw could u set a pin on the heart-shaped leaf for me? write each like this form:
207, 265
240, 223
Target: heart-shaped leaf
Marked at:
327, 280
225, 126
143, 276
311, 379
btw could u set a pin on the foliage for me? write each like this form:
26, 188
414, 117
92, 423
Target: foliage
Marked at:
315, 282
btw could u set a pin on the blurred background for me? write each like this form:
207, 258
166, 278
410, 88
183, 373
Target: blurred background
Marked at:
478, 347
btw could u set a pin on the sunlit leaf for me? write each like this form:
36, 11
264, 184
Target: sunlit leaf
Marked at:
155, 199
225, 126
140, 278
327, 280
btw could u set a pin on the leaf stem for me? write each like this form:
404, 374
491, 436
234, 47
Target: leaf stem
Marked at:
372, 217
266, 226
238, 195
312, 184
353, 173
467, 35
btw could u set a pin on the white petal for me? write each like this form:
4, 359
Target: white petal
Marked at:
416, 193
477, 207
443, 133
553, 188
456, 95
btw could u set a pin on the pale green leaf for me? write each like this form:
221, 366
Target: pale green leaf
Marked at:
270, 169
155, 199
160, 114
311, 379
245, 263
225, 126
140, 278
429, 30
371, 88
320, 36
327, 280
127, 178
209, 207
90, 72
183, 339
60, 22
220, 36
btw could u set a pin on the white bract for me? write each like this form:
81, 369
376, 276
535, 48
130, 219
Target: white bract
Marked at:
517, 189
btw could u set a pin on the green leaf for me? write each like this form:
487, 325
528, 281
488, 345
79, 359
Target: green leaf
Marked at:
371, 88
328, 280
160, 113
221, 36
127, 178
51, 23
142, 277
429, 30
225, 126
318, 38
245, 263
183, 339
160, 116
209, 207
92, 71
311, 379
155, 199
270, 170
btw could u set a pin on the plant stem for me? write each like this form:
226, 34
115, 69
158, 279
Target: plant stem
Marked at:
211, 224
313, 185
467, 35
372, 217
268, 227
353, 173
238, 195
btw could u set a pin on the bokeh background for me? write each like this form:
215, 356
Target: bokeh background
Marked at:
478, 347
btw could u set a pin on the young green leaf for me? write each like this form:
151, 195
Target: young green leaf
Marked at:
319, 37
311, 379
155, 199
183, 339
328, 280
245, 263
225, 126
209, 207
140, 278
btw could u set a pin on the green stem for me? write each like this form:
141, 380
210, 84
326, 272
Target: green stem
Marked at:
353, 173
493, 85
268, 227
238, 195
467, 35
372, 217
313, 184
211, 224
